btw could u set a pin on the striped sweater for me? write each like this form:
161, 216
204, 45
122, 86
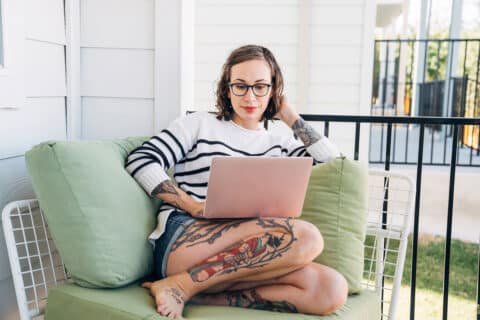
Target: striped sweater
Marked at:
189, 144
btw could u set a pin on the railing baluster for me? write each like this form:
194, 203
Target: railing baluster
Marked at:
325, 128
388, 146
357, 140
446, 275
416, 222
478, 283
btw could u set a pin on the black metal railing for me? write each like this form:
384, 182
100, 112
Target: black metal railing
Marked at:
448, 85
422, 122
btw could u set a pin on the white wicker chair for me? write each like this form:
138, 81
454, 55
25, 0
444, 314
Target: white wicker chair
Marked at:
390, 213
36, 265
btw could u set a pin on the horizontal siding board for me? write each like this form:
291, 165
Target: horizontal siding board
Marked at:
337, 35
117, 72
217, 54
334, 93
246, 15
234, 34
336, 55
333, 108
336, 75
44, 20
117, 24
44, 69
40, 119
337, 15
111, 118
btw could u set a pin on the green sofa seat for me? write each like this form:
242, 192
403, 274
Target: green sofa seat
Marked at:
70, 301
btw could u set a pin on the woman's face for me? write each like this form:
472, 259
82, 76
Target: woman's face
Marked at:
249, 108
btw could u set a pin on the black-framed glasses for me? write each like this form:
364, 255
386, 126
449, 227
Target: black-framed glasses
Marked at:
241, 89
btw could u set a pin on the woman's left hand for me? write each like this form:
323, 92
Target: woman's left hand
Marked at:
286, 113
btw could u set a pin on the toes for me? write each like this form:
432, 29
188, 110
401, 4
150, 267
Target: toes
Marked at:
147, 285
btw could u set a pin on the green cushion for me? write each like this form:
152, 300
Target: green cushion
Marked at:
336, 202
75, 303
98, 215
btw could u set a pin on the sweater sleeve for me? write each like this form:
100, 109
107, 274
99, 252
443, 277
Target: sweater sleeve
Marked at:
149, 162
323, 150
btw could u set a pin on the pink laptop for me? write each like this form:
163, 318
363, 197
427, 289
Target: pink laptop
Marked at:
243, 187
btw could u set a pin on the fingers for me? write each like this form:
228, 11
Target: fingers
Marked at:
147, 285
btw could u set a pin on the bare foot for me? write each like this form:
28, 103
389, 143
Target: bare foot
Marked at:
169, 297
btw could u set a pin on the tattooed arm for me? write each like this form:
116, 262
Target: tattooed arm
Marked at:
175, 196
303, 130
322, 151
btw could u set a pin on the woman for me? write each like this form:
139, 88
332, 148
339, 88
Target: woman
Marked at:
254, 263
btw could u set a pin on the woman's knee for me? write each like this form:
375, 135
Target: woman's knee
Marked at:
335, 291
309, 240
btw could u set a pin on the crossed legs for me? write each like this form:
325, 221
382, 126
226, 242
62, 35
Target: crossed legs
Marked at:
261, 263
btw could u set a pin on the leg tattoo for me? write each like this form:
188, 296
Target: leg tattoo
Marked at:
254, 252
205, 232
252, 299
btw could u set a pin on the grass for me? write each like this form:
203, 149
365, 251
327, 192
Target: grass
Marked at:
429, 281
429, 305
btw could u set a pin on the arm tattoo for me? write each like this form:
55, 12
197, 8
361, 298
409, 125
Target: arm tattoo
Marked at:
305, 132
165, 187
253, 300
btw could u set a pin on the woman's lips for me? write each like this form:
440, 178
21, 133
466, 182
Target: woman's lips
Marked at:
250, 109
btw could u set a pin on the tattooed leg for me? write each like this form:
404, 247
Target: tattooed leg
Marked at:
313, 289
252, 299
262, 249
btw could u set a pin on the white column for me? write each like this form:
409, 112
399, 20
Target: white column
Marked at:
403, 60
423, 31
452, 58
368, 41
304, 55
173, 60
72, 59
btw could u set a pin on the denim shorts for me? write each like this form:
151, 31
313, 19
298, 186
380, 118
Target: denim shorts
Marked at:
176, 224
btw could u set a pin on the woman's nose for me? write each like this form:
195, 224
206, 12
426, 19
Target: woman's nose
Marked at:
250, 96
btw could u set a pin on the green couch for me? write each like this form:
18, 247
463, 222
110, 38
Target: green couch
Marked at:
99, 218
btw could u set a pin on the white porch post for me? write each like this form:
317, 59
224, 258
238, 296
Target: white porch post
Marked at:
423, 31
72, 58
452, 58
173, 60
304, 55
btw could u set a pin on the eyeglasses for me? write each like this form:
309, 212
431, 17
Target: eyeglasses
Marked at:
241, 89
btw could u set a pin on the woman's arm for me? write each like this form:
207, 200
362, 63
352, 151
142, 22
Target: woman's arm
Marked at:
175, 196
322, 151
302, 129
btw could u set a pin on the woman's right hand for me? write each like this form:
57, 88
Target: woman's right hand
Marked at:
197, 210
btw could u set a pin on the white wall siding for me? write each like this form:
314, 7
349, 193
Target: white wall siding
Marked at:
117, 23
223, 26
117, 73
44, 69
117, 68
41, 108
45, 20
126, 117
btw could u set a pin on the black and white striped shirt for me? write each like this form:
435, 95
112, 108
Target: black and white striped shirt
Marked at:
189, 144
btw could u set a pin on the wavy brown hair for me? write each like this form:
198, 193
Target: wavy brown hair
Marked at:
239, 55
